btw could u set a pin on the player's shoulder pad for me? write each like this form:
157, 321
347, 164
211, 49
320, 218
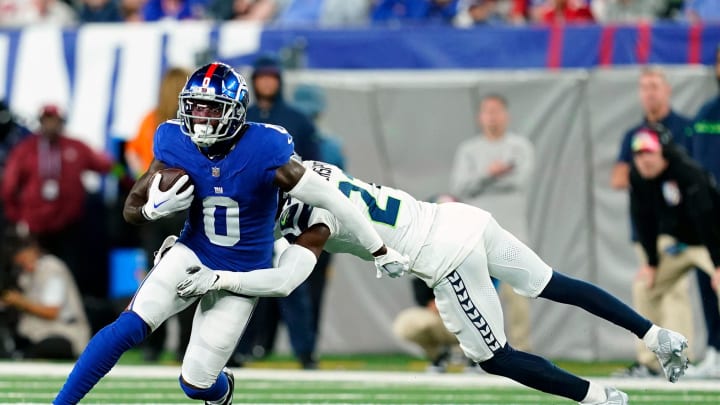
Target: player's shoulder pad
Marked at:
274, 133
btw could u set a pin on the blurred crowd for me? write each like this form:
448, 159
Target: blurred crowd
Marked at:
289, 13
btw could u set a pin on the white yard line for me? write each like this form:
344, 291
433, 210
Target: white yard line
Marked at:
370, 377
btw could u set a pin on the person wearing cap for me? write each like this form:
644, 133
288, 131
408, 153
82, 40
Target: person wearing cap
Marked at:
676, 207
52, 323
654, 93
271, 108
706, 151
43, 193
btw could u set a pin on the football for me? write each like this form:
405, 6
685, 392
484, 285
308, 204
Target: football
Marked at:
171, 175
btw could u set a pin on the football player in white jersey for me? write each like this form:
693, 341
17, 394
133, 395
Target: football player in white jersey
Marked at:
455, 248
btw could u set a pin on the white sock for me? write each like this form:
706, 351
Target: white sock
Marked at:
651, 337
596, 394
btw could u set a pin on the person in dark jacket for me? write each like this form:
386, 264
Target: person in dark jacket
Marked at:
674, 205
271, 108
296, 309
706, 151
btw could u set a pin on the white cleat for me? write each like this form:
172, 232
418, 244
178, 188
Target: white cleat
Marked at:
615, 397
709, 367
671, 354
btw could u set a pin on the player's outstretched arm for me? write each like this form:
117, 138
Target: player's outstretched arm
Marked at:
295, 264
311, 188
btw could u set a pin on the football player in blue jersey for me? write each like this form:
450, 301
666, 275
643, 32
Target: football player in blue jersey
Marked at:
236, 170
455, 248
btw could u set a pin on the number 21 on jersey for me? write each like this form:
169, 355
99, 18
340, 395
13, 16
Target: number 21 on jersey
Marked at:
387, 216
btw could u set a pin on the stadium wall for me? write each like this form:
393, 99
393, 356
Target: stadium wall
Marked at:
400, 128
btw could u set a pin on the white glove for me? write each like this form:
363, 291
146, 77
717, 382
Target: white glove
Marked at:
166, 245
391, 263
164, 203
199, 281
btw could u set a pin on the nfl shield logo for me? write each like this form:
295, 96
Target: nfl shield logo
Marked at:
216, 172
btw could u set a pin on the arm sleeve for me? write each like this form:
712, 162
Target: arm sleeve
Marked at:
643, 216
294, 266
314, 190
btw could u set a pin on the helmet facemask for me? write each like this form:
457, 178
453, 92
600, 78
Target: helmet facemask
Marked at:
208, 118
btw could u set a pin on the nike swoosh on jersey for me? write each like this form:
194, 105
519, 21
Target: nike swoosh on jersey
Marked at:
155, 205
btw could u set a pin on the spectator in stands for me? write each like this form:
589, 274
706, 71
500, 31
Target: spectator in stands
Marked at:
295, 309
310, 100
627, 11
25, 12
99, 11
702, 10
132, 10
423, 326
475, 13
415, 11
42, 190
564, 11
675, 206
492, 171
139, 154
706, 150
155, 10
243, 10
52, 323
344, 13
323, 13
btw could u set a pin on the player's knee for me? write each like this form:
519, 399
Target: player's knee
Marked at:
499, 363
132, 327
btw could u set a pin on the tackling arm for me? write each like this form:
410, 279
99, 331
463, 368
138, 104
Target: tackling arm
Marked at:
295, 264
309, 187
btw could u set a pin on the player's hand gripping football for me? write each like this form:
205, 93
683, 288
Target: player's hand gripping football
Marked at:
163, 203
391, 263
199, 281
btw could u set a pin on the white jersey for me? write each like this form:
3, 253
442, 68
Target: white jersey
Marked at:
404, 223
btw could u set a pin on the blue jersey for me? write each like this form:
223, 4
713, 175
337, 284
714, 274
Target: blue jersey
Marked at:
231, 219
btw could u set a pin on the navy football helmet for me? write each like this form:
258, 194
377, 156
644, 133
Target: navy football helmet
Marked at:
213, 104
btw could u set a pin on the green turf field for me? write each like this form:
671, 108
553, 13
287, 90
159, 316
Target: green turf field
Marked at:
37, 383
165, 391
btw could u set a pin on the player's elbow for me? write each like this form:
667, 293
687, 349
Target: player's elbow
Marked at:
283, 291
